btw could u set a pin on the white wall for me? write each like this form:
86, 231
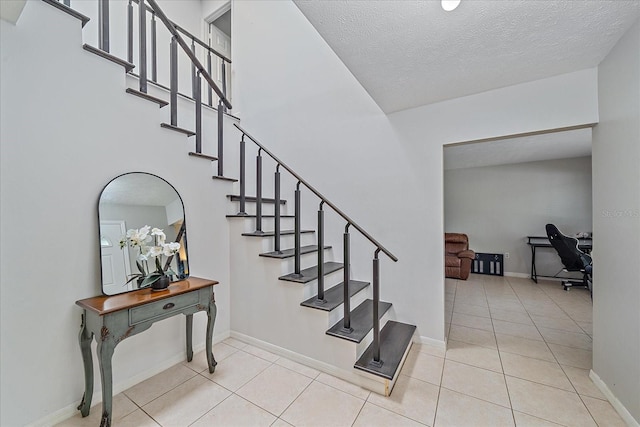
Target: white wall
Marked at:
65, 133
616, 223
385, 172
498, 206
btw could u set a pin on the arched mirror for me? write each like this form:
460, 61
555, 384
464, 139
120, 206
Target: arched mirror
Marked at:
142, 233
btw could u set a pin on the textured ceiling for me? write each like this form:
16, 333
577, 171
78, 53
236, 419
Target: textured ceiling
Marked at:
408, 53
557, 145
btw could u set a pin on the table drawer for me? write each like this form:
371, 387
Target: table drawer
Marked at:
162, 308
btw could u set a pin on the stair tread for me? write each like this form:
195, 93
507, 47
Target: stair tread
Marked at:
288, 253
203, 156
273, 233
235, 198
106, 55
311, 273
395, 337
334, 296
161, 102
361, 321
63, 7
177, 129
253, 216
224, 178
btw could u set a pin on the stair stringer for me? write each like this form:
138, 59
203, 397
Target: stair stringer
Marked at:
266, 312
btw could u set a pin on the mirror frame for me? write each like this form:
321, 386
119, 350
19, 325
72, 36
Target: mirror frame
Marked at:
181, 234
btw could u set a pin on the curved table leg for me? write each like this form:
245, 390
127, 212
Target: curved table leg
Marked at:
189, 337
105, 352
211, 315
84, 338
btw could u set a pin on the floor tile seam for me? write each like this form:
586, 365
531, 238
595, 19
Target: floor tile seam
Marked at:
504, 377
512, 321
168, 391
476, 344
292, 402
481, 399
520, 336
478, 315
260, 357
263, 408
244, 383
359, 412
569, 346
296, 372
346, 392
211, 409
130, 400
560, 306
471, 327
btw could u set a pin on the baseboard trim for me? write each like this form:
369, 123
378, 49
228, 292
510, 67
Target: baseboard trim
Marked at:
617, 405
520, 275
431, 341
72, 409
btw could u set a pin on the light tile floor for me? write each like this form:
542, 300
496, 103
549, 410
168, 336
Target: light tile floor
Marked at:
518, 354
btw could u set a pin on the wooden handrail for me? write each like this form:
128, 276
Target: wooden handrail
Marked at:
320, 196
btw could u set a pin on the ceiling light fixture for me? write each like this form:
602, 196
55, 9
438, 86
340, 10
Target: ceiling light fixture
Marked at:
450, 5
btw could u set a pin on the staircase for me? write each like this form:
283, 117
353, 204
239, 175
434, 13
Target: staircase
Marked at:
322, 314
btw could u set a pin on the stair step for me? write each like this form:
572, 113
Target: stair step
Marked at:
288, 253
224, 178
395, 337
66, 9
106, 55
253, 216
311, 273
203, 156
361, 321
177, 129
335, 296
273, 233
161, 102
235, 198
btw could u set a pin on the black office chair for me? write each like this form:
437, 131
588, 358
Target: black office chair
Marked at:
572, 258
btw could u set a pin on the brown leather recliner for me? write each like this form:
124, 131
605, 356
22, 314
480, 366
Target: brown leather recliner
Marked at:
457, 256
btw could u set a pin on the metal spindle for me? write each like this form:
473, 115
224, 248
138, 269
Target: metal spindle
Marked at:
297, 230
67, 3
193, 69
130, 32
243, 200
259, 191
320, 297
210, 91
142, 48
220, 138
376, 318
346, 325
154, 48
173, 69
103, 25
224, 78
276, 238
198, 113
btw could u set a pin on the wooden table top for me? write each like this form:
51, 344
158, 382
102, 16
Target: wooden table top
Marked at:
105, 304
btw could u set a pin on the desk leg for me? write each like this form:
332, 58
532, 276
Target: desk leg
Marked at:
84, 337
211, 314
105, 352
534, 273
189, 337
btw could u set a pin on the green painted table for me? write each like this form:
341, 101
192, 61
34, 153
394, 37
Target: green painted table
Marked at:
111, 319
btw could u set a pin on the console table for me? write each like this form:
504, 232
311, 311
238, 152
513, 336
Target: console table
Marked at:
113, 318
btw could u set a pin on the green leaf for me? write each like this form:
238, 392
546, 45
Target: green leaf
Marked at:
150, 279
140, 267
159, 266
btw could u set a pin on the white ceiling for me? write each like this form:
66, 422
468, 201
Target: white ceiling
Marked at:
407, 53
140, 189
549, 146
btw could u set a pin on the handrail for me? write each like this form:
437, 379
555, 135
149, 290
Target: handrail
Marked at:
194, 38
318, 194
187, 50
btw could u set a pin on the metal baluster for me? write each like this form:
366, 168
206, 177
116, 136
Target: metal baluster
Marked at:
346, 324
224, 79
198, 113
320, 298
67, 3
103, 25
276, 238
130, 32
210, 91
193, 69
259, 191
242, 178
376, 303
173, 68
142, 48
297, 230
220, 138
154, 48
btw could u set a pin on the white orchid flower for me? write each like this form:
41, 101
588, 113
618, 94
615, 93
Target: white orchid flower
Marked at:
170, 248
160, 236
155, 251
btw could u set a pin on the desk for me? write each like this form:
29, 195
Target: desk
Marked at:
113, 318
584, 244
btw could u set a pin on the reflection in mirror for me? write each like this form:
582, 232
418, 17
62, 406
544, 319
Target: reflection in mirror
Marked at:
128, 204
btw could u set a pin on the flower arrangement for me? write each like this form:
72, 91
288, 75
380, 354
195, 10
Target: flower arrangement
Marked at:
152, 245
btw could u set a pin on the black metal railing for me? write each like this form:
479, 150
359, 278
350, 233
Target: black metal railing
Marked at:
149, 56
346, 327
